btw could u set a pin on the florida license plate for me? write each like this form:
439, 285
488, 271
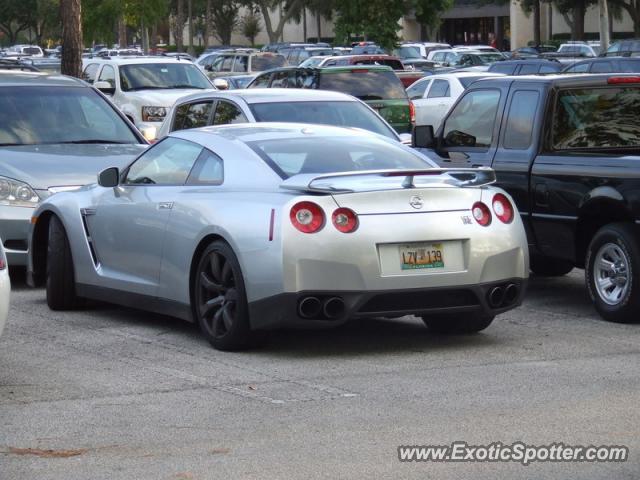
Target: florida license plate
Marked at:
421, 255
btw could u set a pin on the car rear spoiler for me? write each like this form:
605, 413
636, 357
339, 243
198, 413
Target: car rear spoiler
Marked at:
314, 183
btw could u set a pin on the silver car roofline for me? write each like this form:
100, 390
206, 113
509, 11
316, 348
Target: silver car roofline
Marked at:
474, 177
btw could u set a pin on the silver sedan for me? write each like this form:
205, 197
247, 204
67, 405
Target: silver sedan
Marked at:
250, 227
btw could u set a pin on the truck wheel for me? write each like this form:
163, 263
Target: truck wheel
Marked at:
457, 324
61, 285
220, 300
613, 272
549, 267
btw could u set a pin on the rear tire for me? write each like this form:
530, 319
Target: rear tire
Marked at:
61, 285
612, 272
220, 300
457, 324
549, 267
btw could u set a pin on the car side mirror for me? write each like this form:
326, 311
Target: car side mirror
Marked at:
221, 84
105, 87
208, 68
109, 177
422, 136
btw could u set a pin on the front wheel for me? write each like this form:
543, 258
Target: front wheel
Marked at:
612, 272
61, 285
457, 324
220, 301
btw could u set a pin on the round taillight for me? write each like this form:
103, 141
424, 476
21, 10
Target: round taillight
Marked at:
345, 220
3, 265
502, 208
307, 217
481, 213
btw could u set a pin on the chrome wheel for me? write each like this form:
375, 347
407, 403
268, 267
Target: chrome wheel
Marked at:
611, 274
217, 294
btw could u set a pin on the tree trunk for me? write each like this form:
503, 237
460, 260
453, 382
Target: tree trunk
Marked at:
578, 21
207, 24
319, 26
536, 22
179, 30
304, 24
190, 24
604, 24
153, 40
71, 14
122, 33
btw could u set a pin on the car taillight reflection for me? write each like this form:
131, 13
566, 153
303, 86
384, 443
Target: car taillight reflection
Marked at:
307, 217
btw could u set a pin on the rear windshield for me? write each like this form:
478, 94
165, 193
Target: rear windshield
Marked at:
597, 118
267, 62
341, 114
364, 84
388, 62
290, 157
506, 69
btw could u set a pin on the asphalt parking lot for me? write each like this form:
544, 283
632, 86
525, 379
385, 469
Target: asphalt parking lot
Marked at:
110, 393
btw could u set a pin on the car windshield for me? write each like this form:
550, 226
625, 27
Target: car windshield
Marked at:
364, 84
342, 114
487, 58
288, 157
50, 115
154, 76
407, 52
603, 118
260, 63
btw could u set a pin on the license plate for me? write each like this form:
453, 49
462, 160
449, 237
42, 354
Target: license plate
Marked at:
421, 255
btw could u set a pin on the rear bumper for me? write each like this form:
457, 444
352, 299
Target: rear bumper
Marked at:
284, 309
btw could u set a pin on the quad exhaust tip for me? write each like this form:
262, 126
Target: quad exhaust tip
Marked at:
503, 295
496, 297
511, 293
309, 307
333, 307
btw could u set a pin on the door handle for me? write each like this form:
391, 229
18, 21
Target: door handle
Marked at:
165, 205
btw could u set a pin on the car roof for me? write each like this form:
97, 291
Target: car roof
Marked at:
529, 61
38, 79
249, 132
561, 79
464, 75
270, 95
140, 60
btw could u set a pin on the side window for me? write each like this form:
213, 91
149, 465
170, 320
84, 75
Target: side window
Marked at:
208, 170
227, 63
227, 112
108, 74
192, 115
601, 67
89, 74
581, 68
166, 163
217, 63
261, 81
528, 69
547, 69
242, 64
522, 112
280, 79
304, 79
471, 122
439, 89
417, 90
629, 66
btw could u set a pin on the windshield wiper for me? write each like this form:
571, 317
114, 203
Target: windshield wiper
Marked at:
369, 97
186, 86
146, 87
11, 144
86, 141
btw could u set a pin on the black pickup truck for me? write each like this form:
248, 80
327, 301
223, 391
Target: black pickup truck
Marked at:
567, 149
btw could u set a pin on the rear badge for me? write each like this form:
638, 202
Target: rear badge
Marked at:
416, 202
466, 220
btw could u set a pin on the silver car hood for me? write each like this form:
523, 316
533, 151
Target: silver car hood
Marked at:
44, 166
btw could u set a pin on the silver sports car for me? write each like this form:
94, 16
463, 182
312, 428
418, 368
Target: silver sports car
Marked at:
253, 226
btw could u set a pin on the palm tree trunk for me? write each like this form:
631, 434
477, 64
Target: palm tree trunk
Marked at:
71, 14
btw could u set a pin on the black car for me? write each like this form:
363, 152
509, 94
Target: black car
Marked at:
532, 52
605, 65
526, 67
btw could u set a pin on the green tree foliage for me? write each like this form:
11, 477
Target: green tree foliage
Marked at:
428, 11
224, 19
287, 10
251, 26
15, 17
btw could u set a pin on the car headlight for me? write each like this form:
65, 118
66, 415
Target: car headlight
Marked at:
153, 114
17, 194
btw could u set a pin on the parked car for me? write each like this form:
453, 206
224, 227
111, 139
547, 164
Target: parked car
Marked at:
234, 82
524, 53
256, 230
16, 64
375, 85
433, 96
579, 49
316, 61
295, 55
25, 51
605, 65
526, 67
243, 62
5, 288
367, 48
407, 77
566, 148
464, 58
275, 105
56, 133
477, 48
145, 88
405, 52
425, 47
624, 48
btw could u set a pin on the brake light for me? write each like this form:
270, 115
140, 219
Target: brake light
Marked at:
412, 112
622, 80
3, 264
481, 213
345, 220
307, 217
360, 70
502, 208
